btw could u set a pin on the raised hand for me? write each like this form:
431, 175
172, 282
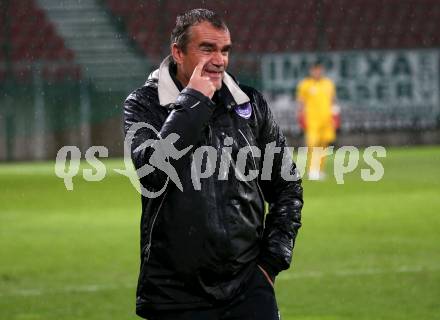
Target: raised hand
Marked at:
201, 83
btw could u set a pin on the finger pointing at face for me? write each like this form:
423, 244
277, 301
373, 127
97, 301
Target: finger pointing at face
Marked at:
201, 83
198, 70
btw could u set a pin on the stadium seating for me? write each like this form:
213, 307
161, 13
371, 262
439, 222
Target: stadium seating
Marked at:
33, 43
364, 24
280, 26
256, 27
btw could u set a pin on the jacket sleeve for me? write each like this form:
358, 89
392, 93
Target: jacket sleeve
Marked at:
285, 199
189, 115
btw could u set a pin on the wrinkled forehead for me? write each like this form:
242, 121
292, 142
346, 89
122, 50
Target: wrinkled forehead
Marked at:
205, 32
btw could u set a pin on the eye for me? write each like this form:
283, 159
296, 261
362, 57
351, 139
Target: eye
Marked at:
226, 51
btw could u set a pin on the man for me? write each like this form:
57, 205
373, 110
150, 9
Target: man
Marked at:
315, 97
206, 252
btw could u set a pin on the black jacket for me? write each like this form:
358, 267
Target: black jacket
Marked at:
199, 247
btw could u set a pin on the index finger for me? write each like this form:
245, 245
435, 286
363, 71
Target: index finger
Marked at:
199, 67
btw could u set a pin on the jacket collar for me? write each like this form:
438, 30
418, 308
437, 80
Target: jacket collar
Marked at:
168, 91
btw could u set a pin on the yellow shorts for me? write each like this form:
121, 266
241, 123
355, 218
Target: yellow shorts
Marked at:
320, 135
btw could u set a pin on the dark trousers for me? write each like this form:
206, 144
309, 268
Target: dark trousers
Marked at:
256, 302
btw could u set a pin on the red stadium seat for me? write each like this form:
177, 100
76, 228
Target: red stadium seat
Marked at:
293, 25
33, 37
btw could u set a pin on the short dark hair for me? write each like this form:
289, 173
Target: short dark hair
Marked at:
180, 33
317, 64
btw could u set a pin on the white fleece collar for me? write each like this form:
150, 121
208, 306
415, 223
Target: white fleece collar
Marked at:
168, 91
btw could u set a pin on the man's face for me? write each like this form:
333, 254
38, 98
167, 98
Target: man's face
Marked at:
316, 72
205, 43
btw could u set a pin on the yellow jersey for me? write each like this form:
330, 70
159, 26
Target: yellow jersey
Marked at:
317, 98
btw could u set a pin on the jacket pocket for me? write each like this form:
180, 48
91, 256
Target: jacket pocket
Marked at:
266, 276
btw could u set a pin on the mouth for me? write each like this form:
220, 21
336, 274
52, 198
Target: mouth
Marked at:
214, 74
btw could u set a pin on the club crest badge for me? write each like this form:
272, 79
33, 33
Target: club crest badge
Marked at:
244, 110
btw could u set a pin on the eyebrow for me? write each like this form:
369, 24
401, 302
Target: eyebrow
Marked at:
212, 45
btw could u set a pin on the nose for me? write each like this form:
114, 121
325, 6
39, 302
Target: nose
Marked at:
217, 59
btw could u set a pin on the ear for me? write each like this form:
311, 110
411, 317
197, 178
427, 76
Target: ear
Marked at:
177, 53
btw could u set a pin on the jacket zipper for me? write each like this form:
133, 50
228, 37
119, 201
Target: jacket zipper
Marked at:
255, 164
148, 247
221, 213
209, 133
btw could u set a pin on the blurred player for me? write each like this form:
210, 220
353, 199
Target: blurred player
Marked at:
316, 96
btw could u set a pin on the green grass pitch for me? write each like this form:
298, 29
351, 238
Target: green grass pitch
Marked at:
367, 250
